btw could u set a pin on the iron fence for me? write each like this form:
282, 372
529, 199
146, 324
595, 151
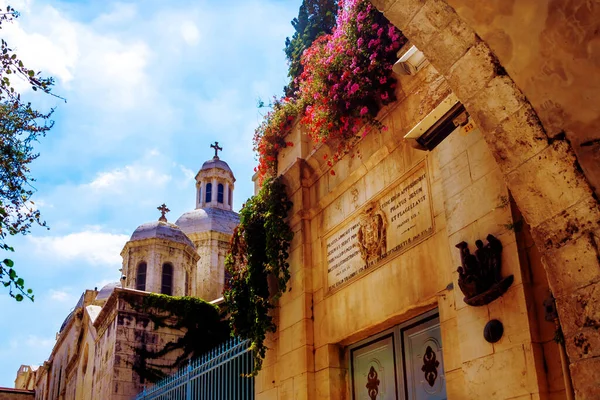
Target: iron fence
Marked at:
219, 374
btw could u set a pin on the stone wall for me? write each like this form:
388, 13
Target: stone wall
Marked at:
543, 168
468, 199
16, 394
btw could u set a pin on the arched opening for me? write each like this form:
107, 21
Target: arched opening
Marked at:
208, 198
166, 286
220, 193
199, 193
187, 283
140, 278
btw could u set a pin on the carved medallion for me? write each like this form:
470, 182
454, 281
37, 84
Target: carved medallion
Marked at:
372, 383
372, 233
430, 366
479, 277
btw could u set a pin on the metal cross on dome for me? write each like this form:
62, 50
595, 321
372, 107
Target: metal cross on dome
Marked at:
217, 148
163, 210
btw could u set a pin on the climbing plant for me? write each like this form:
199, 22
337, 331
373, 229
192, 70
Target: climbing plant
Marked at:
201, 321
257, 265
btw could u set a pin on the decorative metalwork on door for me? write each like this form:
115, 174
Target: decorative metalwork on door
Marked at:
374, 369
404, 363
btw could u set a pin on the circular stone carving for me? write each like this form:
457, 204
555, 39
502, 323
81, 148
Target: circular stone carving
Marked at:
493, 331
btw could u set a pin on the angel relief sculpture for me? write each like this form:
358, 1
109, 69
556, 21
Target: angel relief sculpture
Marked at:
372, 233
479, 277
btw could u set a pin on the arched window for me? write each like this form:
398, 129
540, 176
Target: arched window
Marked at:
208, 193
220, 193
166, 286
140, 278
229, 198
187, 283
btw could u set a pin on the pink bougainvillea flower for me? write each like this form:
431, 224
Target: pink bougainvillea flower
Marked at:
364, 111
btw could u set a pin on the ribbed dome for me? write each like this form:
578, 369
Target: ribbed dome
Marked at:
107, 290
216, 162
209, 219
161, 230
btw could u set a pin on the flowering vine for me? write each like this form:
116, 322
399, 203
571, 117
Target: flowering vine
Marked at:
346, 79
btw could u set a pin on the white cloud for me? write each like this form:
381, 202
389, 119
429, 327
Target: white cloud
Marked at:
190, 33
60, 295
91, 246
121, 179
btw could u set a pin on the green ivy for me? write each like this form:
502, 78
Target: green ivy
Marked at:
201, 321
257, 265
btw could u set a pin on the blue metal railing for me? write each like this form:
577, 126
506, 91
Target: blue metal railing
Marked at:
216, 375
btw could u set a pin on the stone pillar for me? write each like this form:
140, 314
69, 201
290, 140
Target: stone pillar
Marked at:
213, 199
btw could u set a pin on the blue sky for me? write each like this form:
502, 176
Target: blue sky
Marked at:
149, 85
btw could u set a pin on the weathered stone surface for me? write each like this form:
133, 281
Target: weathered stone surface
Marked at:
433, 16
578, 310
548, 183
585, 382
516, 139
472, 72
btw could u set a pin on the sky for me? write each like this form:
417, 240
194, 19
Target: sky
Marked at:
149, 86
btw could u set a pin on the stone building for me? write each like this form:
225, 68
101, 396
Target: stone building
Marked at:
494, 133
94, 356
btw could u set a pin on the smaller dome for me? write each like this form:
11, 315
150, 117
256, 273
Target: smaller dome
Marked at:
107, 290
209, 219
216, 162
161, 230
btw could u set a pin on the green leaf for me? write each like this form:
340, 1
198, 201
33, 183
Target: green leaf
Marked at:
8, 263
19, 297
31, 73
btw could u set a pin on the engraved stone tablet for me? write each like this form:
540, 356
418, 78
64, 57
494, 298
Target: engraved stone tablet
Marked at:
385, 227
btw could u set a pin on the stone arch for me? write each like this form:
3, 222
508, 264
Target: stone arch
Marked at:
541, 170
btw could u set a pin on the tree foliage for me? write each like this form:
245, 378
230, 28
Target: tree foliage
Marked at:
315, 18
20, 127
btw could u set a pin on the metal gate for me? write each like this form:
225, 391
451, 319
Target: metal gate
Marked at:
217, 375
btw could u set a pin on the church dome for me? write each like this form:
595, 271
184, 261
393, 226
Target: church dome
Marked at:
107, 290
208, 219
161, 230
216, 162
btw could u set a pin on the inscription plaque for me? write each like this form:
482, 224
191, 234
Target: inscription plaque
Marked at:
385, 227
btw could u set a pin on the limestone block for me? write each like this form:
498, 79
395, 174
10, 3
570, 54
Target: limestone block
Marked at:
446, 305
547, 184
296, 362
401, 12
450, 345
581, 309
511, 310
573, 265
456, 175
474, 202
448, 45
569, 225
585, 379
481, 161
285, 341
470, 323
267, 395
517, 139
286, 389
472, 72
267, 378
302, 333
430, 19
304, 386
437, 196
455, 144
498, 100
584, 344
455, 384
330, 384
554, 374
328, 356
394, 165
499, 376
